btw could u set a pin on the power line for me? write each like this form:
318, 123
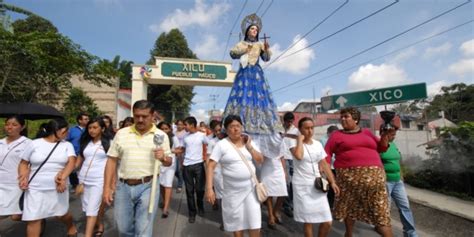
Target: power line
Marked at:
307, 33
387, 54
259, 6
374, 46
266, 9
233, 26
342, 29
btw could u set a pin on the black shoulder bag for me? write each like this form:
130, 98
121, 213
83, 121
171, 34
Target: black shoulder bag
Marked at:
22, 197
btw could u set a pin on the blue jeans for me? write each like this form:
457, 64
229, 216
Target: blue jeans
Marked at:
396, 192
179, 173
131, 209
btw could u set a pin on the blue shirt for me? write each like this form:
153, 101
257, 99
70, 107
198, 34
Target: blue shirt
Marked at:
74, 137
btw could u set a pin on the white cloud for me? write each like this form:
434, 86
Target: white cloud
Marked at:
435, 87
287, 106
440, 50
373, 76
403, 56
202, 15
467, 47
297, 63
208, 48
463, 67
200, 115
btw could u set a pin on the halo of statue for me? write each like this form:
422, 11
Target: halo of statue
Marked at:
251, 19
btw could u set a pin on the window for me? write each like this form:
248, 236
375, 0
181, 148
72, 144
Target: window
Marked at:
405, 123
420, 127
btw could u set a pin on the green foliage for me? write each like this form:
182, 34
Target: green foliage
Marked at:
171, 100
77, 102
457, 101
37, 61
124, 70
451, 168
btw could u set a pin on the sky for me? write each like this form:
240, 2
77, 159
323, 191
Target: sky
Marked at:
329, 46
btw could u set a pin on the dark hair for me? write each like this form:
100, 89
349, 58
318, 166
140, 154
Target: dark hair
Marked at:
355, 113
21, 121
191, 121
288, 116
51, 127
331, 129
300, 123
231, 118
144, 104
86, 137
127, 119
170, 133
247, 32
213, 124
80, 115
178, 120
110, 128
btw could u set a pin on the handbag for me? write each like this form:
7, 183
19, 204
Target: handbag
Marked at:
22, 197
320, 183
261, 190
80, 187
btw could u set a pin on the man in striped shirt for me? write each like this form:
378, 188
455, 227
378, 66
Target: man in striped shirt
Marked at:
137, 153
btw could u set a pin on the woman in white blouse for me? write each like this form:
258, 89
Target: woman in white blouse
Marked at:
47, 194
11, 147
240, 207
94, 144
310, 205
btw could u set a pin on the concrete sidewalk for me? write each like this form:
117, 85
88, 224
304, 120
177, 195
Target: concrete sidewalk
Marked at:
451, 205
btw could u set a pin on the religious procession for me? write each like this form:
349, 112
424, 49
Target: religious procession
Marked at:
253, 171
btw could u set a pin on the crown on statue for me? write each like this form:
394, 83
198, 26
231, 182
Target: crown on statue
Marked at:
251, 19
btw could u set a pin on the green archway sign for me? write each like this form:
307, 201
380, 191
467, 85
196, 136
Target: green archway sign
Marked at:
178, 71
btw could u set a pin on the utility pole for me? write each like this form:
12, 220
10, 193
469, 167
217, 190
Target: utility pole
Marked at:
214, 98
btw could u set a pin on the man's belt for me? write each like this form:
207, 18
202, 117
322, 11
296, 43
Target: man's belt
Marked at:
133, 182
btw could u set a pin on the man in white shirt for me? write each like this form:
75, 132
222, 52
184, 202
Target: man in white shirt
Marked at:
193, 167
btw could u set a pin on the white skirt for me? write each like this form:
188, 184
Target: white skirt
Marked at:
218, 182
310, 205
9, 197
273, 176
41, 204
247, 216
91, 199
167, 174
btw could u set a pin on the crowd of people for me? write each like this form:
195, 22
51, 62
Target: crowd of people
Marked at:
235, 165
115, 167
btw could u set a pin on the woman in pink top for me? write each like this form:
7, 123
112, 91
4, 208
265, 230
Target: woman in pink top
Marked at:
359, 174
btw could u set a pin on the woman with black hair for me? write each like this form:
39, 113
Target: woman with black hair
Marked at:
47, 194
109, 126
94, 144
167, 172
11, 148
240, 207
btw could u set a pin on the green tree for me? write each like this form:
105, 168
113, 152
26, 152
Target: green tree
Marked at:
457, 102
171, 101
37, 62
77, 102
124, 70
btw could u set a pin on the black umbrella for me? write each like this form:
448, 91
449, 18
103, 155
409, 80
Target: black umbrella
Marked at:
30, 111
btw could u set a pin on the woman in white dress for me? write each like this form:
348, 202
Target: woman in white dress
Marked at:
47, 195
310, 205
11, 147
272, 175
167, 172
240, 207
94, 144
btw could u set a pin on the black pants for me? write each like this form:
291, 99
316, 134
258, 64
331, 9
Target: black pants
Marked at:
331, 195
73, 179
194, 180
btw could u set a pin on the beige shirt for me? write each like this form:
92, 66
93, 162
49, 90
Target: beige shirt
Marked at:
136, 152
257, 48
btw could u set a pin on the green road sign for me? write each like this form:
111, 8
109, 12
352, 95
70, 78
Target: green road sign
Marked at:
380, 96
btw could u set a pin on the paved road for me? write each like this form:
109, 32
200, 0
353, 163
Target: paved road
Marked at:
176, 225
